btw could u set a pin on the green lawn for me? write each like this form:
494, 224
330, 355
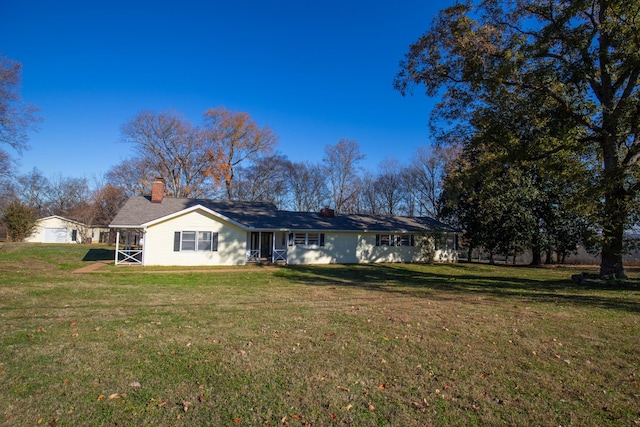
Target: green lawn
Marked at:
391, 344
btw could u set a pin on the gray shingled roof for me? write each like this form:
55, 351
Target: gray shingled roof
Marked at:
264, 216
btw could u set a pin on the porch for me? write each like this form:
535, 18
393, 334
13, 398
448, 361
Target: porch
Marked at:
129, 246
267, 247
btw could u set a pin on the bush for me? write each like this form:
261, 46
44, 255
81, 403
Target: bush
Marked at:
19, 219
428, 244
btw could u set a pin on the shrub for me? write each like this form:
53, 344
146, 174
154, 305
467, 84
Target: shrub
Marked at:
19, 219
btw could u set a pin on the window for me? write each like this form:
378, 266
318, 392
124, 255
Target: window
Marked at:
313, 239
406, 240
204, 240
306, 239
192, 241
384, 240
300, 239
188, 241
395, 240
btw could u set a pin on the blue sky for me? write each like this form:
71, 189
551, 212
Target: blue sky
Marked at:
314, 72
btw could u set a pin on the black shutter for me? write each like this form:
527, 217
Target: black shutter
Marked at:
377, 240
176, 241
321, 239
290, 239
214, 243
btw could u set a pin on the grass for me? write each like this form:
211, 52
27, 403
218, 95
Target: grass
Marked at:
392, 344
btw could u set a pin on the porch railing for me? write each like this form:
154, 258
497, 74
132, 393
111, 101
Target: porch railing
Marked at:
279, 255
129, 256
253, 255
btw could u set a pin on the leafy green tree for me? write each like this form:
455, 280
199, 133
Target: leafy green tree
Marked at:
581, 58
19, 220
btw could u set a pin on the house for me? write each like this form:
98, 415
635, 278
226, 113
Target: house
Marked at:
160, 230
58, 229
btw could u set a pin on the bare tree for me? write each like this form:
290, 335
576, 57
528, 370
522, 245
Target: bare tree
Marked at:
341, 165
233, 138
134, 176
66, 194
32, 189
307, 186
16, 117
264, 181
107, 201
389, 187
425, 176
170, 147
368, 197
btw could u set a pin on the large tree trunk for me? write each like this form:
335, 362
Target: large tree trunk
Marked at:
615, 214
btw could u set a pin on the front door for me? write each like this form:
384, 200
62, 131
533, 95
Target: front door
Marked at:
266, 245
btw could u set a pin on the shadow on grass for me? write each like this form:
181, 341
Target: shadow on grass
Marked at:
500, 282
97, 254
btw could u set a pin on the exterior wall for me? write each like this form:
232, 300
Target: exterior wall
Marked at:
351, 248
51, 222
158, 241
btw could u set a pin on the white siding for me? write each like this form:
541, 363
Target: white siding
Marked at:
351, 248
158, 241
50, 224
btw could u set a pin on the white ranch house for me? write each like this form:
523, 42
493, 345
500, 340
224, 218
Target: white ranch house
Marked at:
161, 230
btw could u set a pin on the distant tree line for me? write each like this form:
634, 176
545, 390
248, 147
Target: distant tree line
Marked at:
230, 157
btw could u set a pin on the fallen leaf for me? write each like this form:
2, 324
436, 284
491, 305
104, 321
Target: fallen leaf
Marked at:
382, 386
114, 396
161, 404
237, 420
135, 384
97, 328
348, 407
295, 416
371, 407
72, 324
101, 397
343, 388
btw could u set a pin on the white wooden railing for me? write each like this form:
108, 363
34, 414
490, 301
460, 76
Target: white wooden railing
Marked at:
279, 255
253, 255
129, 256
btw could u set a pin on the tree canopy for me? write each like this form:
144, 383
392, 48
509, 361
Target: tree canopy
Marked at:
577, 61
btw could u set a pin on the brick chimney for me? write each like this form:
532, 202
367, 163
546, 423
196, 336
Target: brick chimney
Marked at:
327, 213
157, 190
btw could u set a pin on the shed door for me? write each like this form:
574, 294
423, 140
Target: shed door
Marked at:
55, 235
